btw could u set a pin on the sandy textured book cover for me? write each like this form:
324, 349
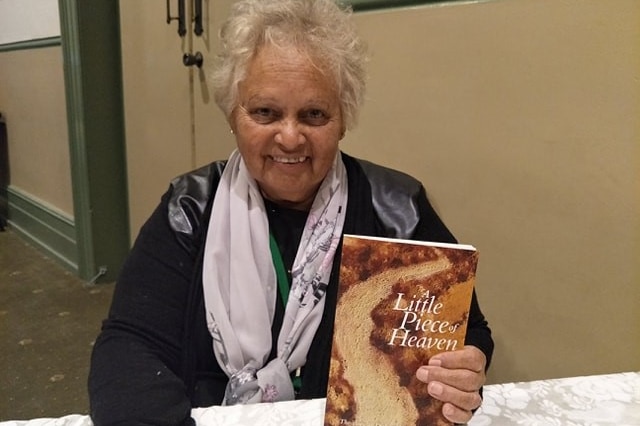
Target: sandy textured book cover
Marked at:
399, 303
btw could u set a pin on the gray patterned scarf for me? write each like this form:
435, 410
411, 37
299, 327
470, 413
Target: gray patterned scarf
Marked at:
240, 284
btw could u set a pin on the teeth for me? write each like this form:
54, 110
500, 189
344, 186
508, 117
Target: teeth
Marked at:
289, 160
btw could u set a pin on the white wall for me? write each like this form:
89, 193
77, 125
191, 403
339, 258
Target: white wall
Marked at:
521, 117
22, 20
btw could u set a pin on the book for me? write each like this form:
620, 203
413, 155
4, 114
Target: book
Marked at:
399, 303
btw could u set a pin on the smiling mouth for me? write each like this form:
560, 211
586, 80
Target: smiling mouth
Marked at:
289, 160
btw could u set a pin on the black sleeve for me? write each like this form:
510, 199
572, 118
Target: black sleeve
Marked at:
431, 228
478, 331
135, 366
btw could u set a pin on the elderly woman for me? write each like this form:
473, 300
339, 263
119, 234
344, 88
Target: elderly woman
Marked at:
199, 316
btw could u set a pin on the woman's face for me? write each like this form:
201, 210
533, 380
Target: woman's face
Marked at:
288, 124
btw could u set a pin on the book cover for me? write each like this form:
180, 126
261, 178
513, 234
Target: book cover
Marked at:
399, 303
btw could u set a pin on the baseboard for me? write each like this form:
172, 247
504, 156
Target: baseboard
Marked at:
51, 231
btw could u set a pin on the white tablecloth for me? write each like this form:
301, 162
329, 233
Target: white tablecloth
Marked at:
591, 400
612, 399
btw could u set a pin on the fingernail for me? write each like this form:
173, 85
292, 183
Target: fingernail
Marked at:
435, 361
447, 410
435, 389
422, 374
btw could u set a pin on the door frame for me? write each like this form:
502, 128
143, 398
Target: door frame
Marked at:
90, 34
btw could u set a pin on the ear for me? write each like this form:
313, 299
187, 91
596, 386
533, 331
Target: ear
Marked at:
231, 120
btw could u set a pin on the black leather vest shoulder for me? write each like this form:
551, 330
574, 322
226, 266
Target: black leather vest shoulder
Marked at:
395, 198
394, 194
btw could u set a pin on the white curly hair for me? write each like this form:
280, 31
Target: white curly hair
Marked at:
321, 29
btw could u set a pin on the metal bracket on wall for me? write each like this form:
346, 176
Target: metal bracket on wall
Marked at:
197, 8
182, 26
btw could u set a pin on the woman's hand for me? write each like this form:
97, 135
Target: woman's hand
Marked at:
456, 378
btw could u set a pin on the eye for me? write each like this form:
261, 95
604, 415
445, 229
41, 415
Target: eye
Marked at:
264, 115
314, 117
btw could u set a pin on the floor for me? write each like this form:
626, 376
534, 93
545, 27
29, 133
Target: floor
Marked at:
49, 320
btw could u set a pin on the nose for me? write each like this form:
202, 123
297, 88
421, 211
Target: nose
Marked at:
289, 135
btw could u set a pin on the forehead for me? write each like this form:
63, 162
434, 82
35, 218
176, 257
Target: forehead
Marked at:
276, 67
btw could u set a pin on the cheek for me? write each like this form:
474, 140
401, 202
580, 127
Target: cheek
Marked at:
249, 139
326, 145
250, 153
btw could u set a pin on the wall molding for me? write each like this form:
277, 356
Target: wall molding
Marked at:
44, 226
31, 44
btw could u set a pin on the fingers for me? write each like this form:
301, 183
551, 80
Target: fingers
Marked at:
455, 378
458, 404
455, 414
464, 380
469, 358
465, 401
463, 369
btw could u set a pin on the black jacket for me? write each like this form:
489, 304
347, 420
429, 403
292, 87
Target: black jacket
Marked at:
154, 361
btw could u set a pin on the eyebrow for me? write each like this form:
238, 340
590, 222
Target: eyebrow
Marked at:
312, 102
